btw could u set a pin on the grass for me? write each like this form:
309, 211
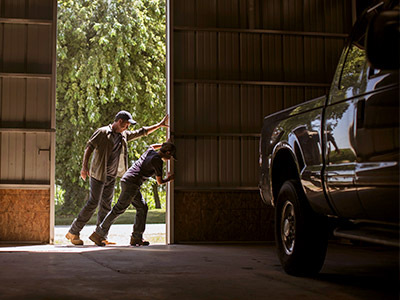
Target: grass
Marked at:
154, 216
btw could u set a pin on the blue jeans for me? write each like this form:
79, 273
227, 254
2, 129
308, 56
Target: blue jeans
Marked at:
130, 193
100, 192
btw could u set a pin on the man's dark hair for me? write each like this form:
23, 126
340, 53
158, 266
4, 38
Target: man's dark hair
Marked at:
168, 146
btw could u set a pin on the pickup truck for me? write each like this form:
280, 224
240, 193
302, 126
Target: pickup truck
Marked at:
331, 165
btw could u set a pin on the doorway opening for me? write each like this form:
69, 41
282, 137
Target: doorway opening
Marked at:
111, 56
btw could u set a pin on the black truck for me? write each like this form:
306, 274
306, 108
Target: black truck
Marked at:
331, 165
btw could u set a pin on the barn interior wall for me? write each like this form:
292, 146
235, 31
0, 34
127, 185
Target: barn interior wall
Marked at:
233, 63
222, 216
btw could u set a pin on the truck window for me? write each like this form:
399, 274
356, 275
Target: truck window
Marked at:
355, 59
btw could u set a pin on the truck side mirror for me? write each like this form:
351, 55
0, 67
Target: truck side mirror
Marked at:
382, 42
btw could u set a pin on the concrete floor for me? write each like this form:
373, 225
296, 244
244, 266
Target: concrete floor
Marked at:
201, 271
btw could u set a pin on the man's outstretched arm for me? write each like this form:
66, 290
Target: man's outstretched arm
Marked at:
163, 123
169, 178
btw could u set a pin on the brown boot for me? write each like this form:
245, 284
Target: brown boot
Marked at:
75, 240
139, 242
97, 239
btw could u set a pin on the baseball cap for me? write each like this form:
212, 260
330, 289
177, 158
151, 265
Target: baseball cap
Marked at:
124, 115
168, 146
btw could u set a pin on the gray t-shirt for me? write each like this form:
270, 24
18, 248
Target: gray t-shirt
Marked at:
149, 164
113, 159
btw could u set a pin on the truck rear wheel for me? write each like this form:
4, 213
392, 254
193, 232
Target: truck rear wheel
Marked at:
301, 235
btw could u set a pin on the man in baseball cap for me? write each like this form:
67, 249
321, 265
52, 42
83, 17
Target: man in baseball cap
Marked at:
124, 115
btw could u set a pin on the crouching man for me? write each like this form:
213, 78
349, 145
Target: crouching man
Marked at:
149, 164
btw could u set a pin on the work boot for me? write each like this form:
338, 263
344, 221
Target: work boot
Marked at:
97, 239
74, 238
139, 242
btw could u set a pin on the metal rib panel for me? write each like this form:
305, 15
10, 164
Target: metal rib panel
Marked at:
293, 96
206, 13
314, 60
287, 58
300, 15
228, 13
249, 159
23, 9
206, 55
250, 56
206, 108
25, 103
12, 156
293, 58
185, 52
38, 103
20, 165
14, 44
228, 55
272, 100
229, 112
26, 48
207, 161
271, 12
292, 15
230, 165
13, 8
250, 108
13, 99
1, 46
184, 12
185, 107
40, 9
209, 109
314, 15
219, 161
337, 10
185, 170
272, 59
39, 56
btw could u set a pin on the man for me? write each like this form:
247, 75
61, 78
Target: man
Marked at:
149, 164
110, 159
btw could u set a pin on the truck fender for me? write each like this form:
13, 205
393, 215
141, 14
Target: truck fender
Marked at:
284, 157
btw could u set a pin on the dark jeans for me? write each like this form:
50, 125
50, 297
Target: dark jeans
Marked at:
102, 192
130, 193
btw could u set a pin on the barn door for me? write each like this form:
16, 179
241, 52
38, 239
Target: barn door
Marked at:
27, 119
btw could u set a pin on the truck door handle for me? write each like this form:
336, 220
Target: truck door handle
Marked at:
360, 113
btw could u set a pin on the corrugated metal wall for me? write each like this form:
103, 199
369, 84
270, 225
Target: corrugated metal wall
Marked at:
27, 119
232, 63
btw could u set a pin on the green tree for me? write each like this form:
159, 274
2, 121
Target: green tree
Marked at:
110, 56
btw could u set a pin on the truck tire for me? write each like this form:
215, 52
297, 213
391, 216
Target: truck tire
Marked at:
301, 235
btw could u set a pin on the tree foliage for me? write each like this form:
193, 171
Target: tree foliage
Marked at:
110, 56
